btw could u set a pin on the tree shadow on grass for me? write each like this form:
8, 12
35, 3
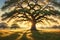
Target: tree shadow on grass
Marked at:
10, 37
36, 35
14, 36
24, 37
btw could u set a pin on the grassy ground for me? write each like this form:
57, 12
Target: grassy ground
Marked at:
29, 35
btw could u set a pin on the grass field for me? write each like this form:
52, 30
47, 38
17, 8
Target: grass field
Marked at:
42, 34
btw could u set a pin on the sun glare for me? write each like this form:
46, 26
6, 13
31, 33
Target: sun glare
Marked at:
25, 24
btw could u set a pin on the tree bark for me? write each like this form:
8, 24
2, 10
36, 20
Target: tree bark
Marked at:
33, 27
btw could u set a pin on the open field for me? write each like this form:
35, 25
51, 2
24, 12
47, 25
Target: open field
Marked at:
43, 30
19, 34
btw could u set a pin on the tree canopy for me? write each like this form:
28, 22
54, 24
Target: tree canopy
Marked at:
29, 10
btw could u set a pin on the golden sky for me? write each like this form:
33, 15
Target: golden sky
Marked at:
38, 24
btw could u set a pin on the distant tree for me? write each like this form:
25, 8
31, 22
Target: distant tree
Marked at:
14, 26
55, 26
3, 25
59, 26
31, 11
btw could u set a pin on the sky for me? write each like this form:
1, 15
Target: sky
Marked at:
1, 3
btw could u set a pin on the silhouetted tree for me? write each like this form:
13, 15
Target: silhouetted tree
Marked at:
3, 25
56, 26
31, 11
59, 26
14, 26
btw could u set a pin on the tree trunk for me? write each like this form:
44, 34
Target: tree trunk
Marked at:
33, 27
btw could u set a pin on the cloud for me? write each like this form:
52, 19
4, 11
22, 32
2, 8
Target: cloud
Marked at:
1, 12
